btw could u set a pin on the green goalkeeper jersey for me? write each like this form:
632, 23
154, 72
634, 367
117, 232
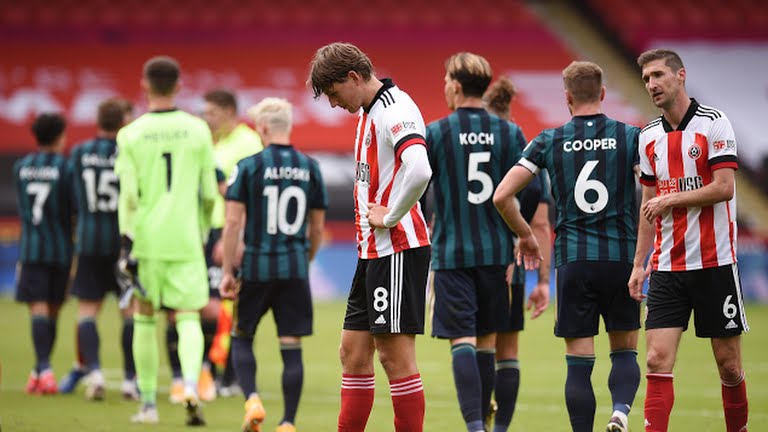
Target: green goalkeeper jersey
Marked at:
167, 184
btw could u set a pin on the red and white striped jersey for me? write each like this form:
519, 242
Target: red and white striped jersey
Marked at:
388, 126
684, 159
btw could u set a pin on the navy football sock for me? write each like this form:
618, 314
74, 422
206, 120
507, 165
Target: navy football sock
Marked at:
245, 364
293, 379
623, 379
127, 343
172, 345
41, 338
466, 377
209, 332
507, 386
486, 366
88, 341
579, 396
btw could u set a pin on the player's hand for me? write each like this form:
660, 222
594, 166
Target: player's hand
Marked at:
228, 286
654, 208
636, 283
510, 272
376, 213
538, 300
528, 252
126, 273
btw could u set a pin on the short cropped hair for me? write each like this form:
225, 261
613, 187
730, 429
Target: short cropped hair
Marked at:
48, 127
671, 58
472, 71
499, 96
222, 98
584, 81
276, 112
111, 114
333, 62
162, 73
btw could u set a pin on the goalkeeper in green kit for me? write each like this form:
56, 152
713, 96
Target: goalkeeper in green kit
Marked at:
168, 185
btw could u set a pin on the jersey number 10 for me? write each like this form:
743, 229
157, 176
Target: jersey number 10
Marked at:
277, 209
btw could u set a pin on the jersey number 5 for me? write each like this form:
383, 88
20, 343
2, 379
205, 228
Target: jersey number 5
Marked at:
474, 174
584, 184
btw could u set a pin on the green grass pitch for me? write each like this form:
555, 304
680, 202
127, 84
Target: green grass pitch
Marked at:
540, 404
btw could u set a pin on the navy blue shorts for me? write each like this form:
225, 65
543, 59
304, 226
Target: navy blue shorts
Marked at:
470, 301
388, 294
515, 318
95, 277
42, 283
588, 289
714, 294
214, 271
290, 301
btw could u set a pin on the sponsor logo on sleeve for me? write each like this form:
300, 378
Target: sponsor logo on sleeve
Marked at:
397, 128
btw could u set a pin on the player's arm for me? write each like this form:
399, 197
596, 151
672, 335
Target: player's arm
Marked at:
539, 298
509, 208
316, 224
128, 199
417, 173
645, 236
233, 225
720, 189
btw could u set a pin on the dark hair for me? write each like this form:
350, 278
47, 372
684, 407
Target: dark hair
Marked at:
222, 98
499, 96
48, 127
671, 58
332, 63
584, 81
111, 114
471, 71
162, 73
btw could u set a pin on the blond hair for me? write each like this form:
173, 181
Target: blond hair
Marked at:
275, 112
471, 71
584, 81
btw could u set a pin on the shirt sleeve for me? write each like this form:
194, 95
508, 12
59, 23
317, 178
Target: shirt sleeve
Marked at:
318, 197
404, 128
128, 199
647, 173
722, 145
533, 155
237, 184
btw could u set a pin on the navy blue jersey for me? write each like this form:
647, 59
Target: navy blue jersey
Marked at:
96, 189
470, 151
43, 198
591, 162
278, 187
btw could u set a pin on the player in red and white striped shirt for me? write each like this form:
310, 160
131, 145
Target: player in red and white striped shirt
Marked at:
688, 163
385, 309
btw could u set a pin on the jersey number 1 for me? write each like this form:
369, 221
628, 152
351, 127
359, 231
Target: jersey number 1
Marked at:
167, 157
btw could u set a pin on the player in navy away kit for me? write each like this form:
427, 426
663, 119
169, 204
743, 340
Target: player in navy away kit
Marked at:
592, 161
43, 197
470, 151
385, 309
534, 206
95, 188
278, 197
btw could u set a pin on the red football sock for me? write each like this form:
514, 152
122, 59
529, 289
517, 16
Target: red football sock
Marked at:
659, 399
356, 402
408, 403
735, 405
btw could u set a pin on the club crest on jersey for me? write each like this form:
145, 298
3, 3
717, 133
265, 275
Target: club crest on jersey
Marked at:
694, 151
367, 141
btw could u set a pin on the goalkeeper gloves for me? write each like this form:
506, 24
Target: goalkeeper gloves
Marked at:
126, 273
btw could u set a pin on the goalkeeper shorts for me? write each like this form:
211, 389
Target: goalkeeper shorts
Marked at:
178, 285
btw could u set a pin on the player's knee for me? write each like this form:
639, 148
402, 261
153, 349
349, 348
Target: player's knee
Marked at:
729, 369
355, 360
658, 361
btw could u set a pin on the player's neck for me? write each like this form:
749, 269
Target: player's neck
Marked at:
470, 102
225, 130
586, 109
676, 110
160, 103
106, 134
372, 87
